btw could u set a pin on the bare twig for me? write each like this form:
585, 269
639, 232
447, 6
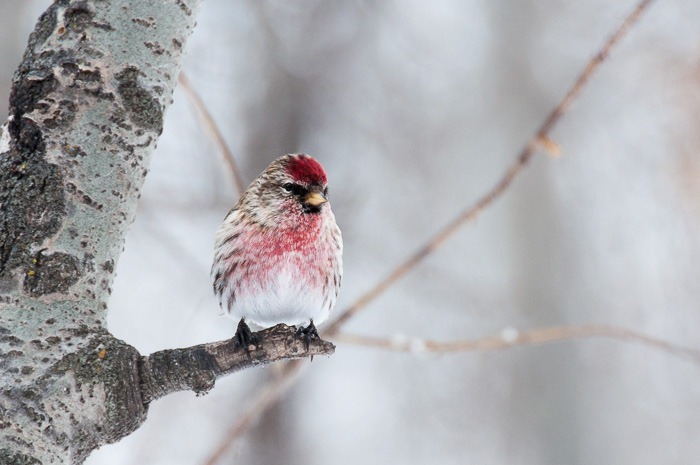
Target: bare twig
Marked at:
265, 398
474, 210
511, 337
197, 368
214, 132
468, 214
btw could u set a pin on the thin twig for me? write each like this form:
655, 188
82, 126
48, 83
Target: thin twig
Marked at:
213, 130
511, 337
470, 213
265, 398
497, 191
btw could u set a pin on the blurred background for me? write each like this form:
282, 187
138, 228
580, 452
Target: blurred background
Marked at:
416, 109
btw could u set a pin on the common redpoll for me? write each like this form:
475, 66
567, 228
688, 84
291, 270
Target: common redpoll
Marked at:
278, 253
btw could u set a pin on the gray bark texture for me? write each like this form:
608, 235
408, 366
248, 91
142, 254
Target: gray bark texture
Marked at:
86, 109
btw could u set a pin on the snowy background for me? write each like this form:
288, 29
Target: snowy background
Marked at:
415, 109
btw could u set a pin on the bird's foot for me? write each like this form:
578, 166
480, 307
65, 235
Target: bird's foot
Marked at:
309, 332
244, 336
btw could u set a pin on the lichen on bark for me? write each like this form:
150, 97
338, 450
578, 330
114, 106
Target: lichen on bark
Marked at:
86, 108
142, 107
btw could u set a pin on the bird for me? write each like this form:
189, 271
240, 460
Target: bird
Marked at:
278, 252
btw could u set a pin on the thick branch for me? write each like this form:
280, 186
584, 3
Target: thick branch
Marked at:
86, 110
197, 368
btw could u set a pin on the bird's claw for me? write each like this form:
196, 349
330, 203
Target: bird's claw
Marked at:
244, 336
309, 332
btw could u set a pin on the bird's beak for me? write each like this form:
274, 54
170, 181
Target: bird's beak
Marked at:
315, 199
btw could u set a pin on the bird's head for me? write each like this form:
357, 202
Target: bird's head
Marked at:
295, 184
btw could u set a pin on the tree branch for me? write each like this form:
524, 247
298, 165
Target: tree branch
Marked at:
197, 368
261, 400
214, 132
539, 139
86, 110
469, 213
511, 337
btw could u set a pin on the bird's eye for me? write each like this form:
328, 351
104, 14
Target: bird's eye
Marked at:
325, 191
294, 188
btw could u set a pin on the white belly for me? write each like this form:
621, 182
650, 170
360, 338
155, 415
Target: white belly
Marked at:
284, 298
